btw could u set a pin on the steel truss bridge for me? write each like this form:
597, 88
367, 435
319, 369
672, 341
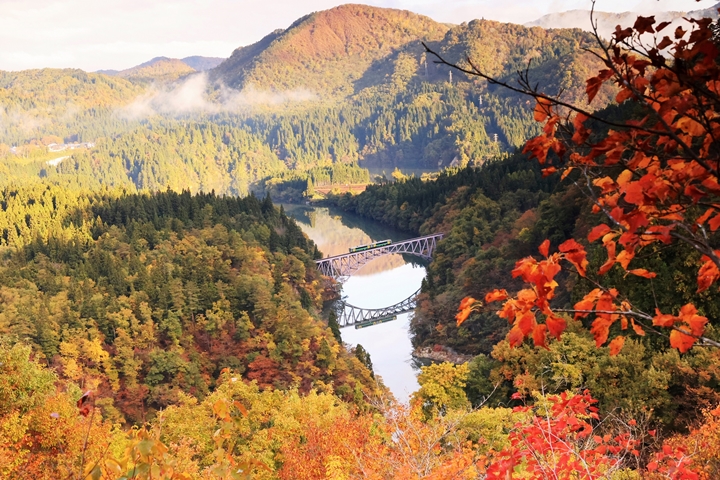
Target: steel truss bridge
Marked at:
352, 315
341, 267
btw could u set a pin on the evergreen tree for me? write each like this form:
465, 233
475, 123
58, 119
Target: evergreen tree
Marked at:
334, 326
364, 357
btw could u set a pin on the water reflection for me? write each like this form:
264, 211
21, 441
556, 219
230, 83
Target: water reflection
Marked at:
335, 232
383, 282
388, 343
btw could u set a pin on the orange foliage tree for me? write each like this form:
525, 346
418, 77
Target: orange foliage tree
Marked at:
321, 452
558, 438
44, 432
704, 444
654, 178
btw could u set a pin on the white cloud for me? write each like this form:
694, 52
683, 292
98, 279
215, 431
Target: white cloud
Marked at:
190, 96
117, 34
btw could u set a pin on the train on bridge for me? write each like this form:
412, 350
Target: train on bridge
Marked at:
340, 267
370, 246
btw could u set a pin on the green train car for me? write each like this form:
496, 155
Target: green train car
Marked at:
362, 248
378, 321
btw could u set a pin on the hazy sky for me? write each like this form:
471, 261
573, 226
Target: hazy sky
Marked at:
117, 34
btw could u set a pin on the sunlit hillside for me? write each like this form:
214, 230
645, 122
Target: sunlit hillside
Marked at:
328, 52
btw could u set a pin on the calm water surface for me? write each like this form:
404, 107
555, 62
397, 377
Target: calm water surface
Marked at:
381, 283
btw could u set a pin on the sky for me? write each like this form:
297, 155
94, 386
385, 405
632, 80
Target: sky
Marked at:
118, 34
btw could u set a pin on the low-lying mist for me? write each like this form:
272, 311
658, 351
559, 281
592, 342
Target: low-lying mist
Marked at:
197, 95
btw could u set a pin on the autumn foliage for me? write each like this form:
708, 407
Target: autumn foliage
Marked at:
294, 405
653, 178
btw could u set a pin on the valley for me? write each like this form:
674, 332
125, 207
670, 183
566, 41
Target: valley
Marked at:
164, 308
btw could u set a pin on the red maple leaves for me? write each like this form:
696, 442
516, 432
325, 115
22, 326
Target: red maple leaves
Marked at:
467, 305
83, 404
654, 178
604, 304
560, 438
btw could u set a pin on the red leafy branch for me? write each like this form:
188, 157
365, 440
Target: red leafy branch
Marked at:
654, 177
561, 442
523, 310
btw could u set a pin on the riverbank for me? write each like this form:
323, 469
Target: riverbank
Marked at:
340, 189
440, 354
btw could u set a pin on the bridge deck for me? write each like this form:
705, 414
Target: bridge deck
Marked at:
342, 266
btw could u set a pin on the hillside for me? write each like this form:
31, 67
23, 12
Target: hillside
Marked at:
416, 117
556, 57
164, 69
399, 108
326, 51
405, 113
202, 64
232, 293
65, 103
494, 216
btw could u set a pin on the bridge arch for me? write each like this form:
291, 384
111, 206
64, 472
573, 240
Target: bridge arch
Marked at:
340, 267
348, 315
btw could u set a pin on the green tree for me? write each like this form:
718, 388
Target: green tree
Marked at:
364, 357
335, 328
442, 388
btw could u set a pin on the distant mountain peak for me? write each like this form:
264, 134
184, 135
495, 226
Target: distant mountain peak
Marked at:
164, 69
326, 51
159, 69
202, 64
152, 62
607, 21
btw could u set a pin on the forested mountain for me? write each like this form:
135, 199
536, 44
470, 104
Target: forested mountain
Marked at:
494, 216
164, 69
350, 85
329, 52
555, 59
352, 47
66, 103
201, 63
145, 297
159, 69
390, 105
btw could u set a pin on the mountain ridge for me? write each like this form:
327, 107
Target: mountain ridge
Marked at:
165, 69
606, 21
370, 63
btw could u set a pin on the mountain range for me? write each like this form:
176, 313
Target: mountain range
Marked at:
337, 53
340, 51
607, 21
345, 85
349, 47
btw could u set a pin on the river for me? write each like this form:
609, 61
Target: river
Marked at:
381, 283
